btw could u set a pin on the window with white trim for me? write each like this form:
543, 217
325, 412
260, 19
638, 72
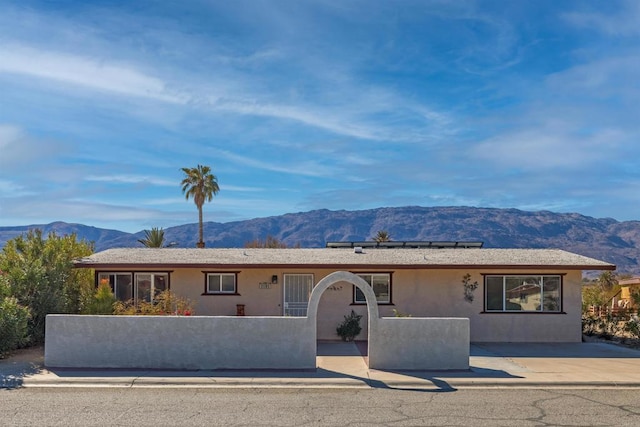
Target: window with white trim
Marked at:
528, 293
381, 284
221, 283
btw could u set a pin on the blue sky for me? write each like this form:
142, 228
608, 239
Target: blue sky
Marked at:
316, 104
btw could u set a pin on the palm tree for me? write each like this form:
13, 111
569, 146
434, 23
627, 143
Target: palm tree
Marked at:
201, 185
607, 280
382, 236
153, 238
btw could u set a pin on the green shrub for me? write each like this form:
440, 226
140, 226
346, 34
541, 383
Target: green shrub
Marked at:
591, 325
103, 300
166, 302
350, 327
39, 273
14, 321
633, 327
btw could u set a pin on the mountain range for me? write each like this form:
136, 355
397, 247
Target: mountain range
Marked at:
602, 238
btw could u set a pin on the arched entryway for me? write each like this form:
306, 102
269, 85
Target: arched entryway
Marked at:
343, 276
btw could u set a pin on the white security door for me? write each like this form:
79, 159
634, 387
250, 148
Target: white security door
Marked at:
297, 289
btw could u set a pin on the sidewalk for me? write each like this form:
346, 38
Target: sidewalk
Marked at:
341, 365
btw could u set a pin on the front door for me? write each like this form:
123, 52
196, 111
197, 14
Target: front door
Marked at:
297, 289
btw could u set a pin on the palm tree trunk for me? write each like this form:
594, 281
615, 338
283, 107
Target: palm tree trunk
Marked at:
200, 243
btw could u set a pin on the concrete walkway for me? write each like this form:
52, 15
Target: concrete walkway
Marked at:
341, 365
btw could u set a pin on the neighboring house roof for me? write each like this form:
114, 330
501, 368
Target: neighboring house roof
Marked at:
634, 281
341, 258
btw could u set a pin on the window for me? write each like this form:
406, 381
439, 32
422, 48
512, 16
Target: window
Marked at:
221, 283
121, 284
135, 286
523, 293
149, 285
381, 284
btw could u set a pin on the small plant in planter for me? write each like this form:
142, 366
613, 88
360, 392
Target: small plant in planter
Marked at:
350, 327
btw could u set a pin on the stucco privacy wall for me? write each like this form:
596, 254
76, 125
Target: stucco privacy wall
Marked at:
420, 343
172, 342
403, 342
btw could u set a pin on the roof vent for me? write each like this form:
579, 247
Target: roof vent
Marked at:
357, 250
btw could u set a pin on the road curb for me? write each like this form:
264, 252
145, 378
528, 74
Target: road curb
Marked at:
253, 383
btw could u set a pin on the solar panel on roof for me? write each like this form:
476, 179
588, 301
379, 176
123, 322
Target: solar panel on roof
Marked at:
407, 244
391, 244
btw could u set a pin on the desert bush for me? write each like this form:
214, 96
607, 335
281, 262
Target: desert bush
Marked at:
591, 325
632, 326
606, 327
610, 326
14, 320
166, 302
103, 300
350, 327
40, 275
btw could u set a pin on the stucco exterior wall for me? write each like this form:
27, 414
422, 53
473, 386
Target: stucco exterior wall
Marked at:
259, 301
534, 327
420, 293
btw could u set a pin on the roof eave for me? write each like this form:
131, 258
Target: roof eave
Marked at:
148, 266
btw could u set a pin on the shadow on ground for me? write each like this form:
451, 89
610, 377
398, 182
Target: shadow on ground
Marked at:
21, 363
587, 350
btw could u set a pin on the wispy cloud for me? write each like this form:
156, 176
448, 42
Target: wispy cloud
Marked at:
553, 148
18, 149
306, 168
622, 22
131, 179
83, 71
9, 188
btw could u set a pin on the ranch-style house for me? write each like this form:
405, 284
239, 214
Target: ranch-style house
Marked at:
508, 295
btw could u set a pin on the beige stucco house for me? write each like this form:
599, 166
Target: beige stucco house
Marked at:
522, 295
627, 288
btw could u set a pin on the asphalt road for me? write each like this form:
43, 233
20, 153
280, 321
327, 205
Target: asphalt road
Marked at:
307, 407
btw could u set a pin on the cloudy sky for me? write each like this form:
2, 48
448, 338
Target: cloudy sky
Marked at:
301, 105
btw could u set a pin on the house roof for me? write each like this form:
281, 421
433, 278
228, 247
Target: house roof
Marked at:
341, 258
634, 281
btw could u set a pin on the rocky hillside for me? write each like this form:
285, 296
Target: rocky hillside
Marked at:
606, 239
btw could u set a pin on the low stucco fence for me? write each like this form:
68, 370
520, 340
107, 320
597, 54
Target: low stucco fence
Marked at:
225, 342
202, 342
427, 343
178, 342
